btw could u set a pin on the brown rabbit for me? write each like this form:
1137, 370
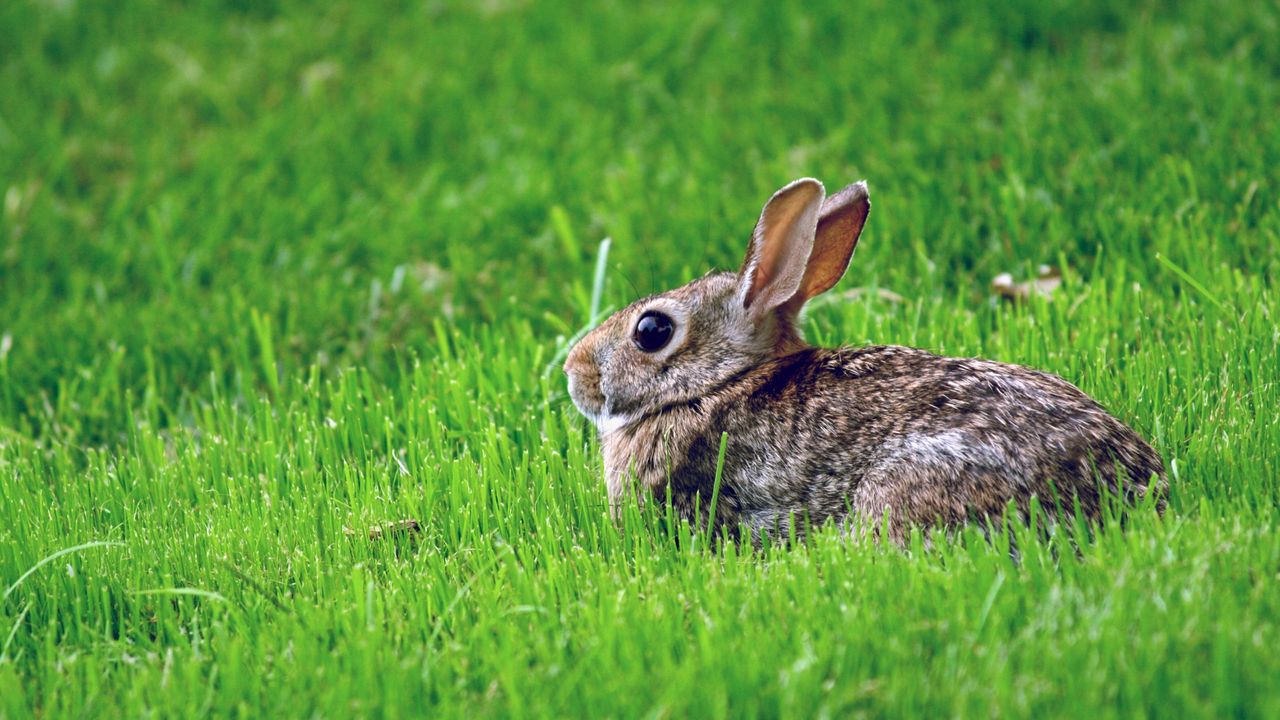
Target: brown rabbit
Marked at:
859, 436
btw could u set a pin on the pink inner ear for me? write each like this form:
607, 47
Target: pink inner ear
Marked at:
781, 244
843, 217
760, 279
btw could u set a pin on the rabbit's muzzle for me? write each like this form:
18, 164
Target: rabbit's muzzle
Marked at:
584, 384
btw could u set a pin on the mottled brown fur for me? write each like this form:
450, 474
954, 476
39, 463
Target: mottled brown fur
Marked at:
855, 436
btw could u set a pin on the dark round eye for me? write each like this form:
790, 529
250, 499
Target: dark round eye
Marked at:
653, 332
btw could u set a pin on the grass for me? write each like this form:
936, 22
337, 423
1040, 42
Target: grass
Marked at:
272, 274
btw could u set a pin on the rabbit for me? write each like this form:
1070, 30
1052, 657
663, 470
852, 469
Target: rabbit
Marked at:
881, 437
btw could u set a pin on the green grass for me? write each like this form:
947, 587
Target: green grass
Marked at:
272, 273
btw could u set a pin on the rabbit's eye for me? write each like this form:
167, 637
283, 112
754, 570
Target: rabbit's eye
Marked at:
653, 332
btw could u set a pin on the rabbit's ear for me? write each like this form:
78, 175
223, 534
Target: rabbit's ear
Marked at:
839, 226
775, 264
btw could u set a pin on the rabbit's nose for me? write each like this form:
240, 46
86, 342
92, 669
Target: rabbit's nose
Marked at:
573, 364
586, 358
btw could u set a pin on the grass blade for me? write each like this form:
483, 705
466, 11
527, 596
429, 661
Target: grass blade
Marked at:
50, 558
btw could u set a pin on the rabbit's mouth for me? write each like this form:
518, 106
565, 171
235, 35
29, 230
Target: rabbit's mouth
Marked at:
592, 403
587, 397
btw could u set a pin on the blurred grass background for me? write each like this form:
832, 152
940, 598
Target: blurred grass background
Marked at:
273, 269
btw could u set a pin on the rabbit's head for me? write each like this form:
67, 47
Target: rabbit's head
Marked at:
674, 348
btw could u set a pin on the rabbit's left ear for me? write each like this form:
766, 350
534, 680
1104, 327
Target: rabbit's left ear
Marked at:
780, 247
839, 226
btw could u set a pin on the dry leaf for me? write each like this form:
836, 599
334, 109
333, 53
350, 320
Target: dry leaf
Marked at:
392, 529
1048, 280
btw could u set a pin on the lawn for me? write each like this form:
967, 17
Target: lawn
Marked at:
273, 275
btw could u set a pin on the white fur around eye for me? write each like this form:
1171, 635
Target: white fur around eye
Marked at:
679, 315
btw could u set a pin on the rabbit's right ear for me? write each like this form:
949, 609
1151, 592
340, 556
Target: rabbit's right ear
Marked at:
780, 246
839, 226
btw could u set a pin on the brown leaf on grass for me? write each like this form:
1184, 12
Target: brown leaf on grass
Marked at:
1048, 280
393, 529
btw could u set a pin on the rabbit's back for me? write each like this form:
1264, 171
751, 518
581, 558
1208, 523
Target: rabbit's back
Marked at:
927, 439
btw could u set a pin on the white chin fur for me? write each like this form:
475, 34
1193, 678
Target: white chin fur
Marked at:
609, 423
604, 422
